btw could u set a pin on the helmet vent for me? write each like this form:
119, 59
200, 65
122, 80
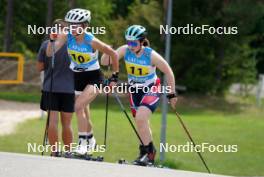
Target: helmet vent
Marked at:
71, 16
81, 18
136, 33
76, 17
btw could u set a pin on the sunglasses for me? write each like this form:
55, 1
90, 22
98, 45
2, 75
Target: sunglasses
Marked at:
132, 43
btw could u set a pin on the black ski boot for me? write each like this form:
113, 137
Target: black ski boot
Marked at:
56, 154
146, 155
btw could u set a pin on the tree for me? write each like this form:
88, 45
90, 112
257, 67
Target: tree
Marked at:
204, 63
8, 26
72, 4
210, 63
49, 15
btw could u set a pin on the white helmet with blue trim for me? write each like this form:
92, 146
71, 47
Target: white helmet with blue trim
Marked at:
135, 32
78, 16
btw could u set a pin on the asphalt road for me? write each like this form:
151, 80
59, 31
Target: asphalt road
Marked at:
22, 165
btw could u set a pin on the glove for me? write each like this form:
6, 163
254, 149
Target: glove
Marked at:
172, 95
114, 77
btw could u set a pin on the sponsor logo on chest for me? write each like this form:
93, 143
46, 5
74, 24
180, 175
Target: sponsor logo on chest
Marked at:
79, 48
138, 61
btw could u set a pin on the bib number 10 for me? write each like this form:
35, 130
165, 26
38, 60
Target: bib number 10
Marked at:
78, 58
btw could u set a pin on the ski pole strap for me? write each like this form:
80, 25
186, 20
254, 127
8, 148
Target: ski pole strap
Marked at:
114, 77
172, 95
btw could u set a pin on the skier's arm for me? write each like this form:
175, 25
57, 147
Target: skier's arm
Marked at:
164, 67
102, 47
105, 59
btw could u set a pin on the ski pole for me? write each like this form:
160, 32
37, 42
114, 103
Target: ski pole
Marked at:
106, 106
189, 135
45, 139
106, 116
127, 116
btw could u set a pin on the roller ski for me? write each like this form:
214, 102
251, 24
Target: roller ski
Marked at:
85, 151
152, 165
146, 157
88, 157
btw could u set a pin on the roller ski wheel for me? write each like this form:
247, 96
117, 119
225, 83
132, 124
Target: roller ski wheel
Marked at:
152, 165
84, 157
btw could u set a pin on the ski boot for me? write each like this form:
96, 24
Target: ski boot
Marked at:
81, 149
91, 145
146, 155
56, 154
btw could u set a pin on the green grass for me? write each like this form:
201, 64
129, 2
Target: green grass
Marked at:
211, 120
20, 96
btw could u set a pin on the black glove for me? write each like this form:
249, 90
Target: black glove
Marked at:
114, 77
172, 95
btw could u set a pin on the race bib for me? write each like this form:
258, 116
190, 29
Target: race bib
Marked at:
137, 70
79, 57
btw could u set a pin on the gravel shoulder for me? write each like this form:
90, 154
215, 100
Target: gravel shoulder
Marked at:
12, 113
